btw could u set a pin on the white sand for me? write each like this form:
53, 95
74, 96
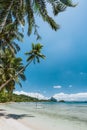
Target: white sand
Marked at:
11, 124
12, 118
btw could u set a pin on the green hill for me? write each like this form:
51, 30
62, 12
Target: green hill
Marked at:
18, 98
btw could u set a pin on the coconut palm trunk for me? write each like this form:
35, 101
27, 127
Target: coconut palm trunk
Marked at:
8, 81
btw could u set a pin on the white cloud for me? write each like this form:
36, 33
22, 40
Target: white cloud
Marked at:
36, 95
57, 86
81, 73
58, 96
71, 97
70, 86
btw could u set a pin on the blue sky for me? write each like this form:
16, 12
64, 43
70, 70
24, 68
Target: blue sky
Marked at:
65, 67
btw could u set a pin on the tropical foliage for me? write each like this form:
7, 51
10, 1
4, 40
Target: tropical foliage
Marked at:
14, 14
11, 68
17, 98
20, 11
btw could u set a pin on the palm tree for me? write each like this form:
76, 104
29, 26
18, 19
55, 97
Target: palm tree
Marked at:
9, 37
14, 13
20, 10
9, 67
35, 53
18, 70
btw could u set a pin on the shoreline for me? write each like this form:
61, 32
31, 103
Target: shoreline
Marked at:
13, 119
26, 116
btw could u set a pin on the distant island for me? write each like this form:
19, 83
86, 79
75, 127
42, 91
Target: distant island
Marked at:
52, 99
61, 101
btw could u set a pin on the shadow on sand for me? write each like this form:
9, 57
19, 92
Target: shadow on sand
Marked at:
15, 116
2, 109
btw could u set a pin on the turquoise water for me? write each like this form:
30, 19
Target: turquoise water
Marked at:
73, 116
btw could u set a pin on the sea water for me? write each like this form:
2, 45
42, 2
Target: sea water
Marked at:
53, 115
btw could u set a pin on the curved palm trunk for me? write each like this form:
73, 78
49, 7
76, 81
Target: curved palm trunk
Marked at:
3, 85
5, 16
8, 81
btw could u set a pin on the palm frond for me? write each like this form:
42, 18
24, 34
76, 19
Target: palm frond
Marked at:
30, 16
22, 76
68, 3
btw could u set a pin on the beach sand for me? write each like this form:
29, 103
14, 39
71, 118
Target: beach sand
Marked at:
9, 121
12, 124
17, 116
13, 119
